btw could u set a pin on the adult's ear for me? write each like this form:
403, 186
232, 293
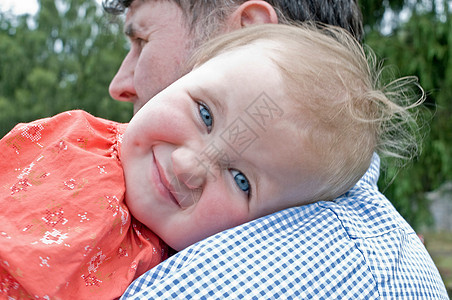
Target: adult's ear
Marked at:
252, 12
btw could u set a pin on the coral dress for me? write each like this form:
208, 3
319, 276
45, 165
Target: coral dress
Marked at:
65, 232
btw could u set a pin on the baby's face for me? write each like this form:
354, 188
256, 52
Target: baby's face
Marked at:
215, 150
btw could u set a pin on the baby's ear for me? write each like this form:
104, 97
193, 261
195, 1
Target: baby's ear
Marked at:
252, 13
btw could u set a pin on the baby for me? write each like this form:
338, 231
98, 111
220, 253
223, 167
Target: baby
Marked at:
270, 117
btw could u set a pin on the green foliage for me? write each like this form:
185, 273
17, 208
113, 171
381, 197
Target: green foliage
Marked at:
373, 11
422, 46
62, 58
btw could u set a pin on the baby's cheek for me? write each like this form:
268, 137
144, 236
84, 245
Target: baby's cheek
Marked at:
222, 215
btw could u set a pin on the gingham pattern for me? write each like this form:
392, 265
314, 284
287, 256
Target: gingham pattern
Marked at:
357, 247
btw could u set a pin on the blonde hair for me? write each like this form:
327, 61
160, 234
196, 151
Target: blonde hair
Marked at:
344, 111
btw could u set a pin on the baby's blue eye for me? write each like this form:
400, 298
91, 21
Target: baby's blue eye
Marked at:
206, 116
242, 181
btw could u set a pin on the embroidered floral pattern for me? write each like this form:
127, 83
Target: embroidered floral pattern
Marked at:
33, 132
54, 237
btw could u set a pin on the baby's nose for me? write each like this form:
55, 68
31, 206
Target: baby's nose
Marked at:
189, 168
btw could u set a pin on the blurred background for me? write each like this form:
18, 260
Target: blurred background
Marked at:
61, 55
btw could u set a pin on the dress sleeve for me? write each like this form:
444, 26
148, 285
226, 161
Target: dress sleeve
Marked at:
64, 227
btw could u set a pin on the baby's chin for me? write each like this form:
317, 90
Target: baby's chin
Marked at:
182, 240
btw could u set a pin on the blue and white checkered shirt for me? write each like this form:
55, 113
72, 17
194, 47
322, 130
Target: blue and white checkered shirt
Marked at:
356, 247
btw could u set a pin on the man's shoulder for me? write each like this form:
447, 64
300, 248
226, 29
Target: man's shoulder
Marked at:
311, 251
279, 255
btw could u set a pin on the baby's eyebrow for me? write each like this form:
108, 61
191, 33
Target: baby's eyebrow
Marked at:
219, 105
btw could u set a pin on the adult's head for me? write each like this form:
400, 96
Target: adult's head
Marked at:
163, 34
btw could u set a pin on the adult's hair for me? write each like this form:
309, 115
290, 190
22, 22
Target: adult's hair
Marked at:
343, 111
205, 17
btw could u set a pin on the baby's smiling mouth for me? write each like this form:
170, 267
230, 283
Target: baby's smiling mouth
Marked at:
172, 193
